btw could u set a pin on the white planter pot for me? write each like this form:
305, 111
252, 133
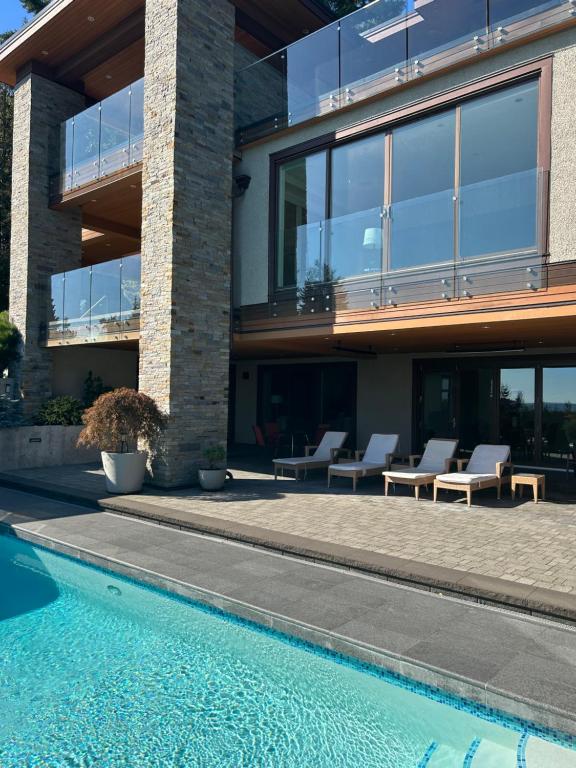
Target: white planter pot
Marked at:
212, 479
124, 471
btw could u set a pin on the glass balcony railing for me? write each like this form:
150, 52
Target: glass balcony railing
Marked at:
381, 46
100, 141
486, 237
94, 302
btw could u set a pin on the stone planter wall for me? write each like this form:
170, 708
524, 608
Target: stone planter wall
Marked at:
29, 447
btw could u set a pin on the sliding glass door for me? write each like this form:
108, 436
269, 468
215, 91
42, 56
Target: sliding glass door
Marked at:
529, 406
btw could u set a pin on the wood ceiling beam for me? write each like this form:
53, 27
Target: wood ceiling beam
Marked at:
108, 227
122, 36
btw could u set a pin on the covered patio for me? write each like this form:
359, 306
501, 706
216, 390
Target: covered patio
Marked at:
512, 552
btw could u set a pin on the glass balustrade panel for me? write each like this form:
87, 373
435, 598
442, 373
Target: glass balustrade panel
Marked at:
76, 319
86, 155
355, 244
261, 97
505, 12
437, 27
115, 132
130, 291
373, 48
56, 309
105, 298
313, 75
136, 121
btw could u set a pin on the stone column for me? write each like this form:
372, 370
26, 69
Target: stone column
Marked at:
44, 241
186, 227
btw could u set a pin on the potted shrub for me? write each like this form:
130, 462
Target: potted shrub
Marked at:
213, 477
115, 424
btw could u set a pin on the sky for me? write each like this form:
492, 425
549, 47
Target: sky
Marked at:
12, 15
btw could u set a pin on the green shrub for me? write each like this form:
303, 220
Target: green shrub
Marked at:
93, 388
214, 456
9, 342
60, 411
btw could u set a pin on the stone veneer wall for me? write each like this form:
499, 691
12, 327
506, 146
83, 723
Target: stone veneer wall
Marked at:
186, 227
44, 242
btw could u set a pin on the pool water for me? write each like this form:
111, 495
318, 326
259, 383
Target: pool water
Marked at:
97, 671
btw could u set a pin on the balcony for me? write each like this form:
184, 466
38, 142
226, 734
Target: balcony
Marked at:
95, 304
101, 141
376, 49
432, 252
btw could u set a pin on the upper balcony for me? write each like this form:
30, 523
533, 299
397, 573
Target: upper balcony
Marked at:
385, 45
96, 304
100, 142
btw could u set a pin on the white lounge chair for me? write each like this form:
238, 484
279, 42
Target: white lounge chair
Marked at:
484, 469
372, 461
324, 454
437, 458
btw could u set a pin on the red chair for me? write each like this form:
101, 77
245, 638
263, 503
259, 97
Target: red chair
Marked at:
259, 435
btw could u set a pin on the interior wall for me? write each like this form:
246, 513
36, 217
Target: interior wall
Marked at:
117, 368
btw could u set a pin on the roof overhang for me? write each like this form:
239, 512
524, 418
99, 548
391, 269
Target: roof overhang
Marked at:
61, 32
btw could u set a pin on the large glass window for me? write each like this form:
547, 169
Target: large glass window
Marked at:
558, 413
355, 227
517, 407
498, 171
422, 212
460, 184
302, 210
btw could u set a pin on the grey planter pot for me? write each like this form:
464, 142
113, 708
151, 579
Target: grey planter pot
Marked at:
124, 472
212, 479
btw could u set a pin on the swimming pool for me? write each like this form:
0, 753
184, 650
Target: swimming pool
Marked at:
97, 671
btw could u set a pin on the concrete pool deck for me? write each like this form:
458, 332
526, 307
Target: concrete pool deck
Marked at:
513, 553
518, 664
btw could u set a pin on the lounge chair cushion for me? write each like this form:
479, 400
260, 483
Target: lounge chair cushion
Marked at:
485, 458
379, 448
409, 474
300, 461
465, 478
357, 466
330, 441
435, 455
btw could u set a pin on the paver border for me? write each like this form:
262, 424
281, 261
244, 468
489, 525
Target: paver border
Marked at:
488, 590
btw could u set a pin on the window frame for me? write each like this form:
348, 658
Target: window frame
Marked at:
540, 70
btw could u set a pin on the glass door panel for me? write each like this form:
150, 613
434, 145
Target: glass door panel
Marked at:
558, 414
477, 407
517, 412
438, 405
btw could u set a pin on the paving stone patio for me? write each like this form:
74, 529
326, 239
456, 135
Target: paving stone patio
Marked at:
518, 541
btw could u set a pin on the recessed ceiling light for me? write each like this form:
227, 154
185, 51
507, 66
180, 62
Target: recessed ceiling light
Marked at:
44, 53
108, 77
94, 200
485, 327
91, 19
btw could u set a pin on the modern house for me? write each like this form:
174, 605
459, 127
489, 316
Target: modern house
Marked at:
260, 214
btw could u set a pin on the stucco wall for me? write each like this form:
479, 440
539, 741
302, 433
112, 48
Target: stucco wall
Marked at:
251, 211
116, 368
385, 398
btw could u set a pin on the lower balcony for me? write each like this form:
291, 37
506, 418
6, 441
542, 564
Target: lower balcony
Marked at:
95, 304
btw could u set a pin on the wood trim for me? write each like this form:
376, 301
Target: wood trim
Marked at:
558, 301
80, 195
